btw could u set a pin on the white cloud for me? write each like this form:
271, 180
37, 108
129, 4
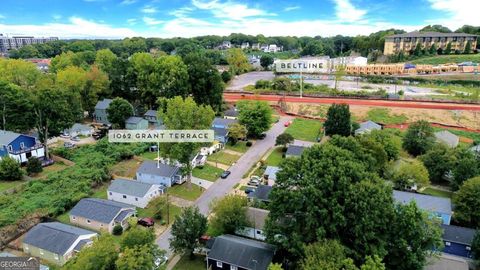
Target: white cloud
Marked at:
128, 2
76, 28
460, 12
132, 21
347, 12
149, 9
291, 8
151, 21
181, 12
230, 10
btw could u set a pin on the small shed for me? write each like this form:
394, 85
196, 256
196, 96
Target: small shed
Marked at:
135, 123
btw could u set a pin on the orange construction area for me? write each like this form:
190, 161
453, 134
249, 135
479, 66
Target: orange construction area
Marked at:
398, 69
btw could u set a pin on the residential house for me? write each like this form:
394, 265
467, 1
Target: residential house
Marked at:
101, 115
152, 117
231, 114
225, 45
256, 46
199, 160
367, 127
437, 206
136, 123
56, 242
220, 128
236, 253
272, 48
157, 173
20, 147
100, 214
458, 240
261, 193
446, 137
133, 192
214, 147
256, 218
294, 150
79, 130
270, 174
245, 45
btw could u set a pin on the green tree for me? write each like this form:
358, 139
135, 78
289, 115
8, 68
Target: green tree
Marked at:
255, 115
390, 143
325, 255
266, 60
468, 47
313, 48
10, 169
281, 84
236, 132
466, 166
230, 214
96, 86
101, 255
284, 139
34, 166
275, 266
188, 227
118, 111
476, 247
237, 61
410, 173
105, 60
433, 49
169, 79
439, 161
226, 76
19, 72
467, 203
16, 110
418, 49
137, 236
373, 263
419, 138
138, 257
338, 120
448, 49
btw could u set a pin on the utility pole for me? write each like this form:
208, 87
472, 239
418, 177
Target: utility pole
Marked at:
168, 211
301, 84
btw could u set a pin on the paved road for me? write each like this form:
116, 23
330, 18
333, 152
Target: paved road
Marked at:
223, 186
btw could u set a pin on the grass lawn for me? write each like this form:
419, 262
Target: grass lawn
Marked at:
275, 158
150, 212
185, 263
208, 172
5, 185
64, 218
240, 147
444, 59
149, 155
224, 158
55, 167
382, 115
183, 192
305, 129
126, 168
437, 192
101, 192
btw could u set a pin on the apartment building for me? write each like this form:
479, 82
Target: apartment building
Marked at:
408, 41
16, 42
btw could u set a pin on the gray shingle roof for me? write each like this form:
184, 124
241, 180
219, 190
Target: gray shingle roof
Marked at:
103, 104
134, 120
130, 187
271, 171
223, 122
151, 113
80, 127
447, 137
425, 202
81, 243
231, 113
295, 150
242, 252
257, 217
98, 209
123, 215
431, 34
6, 137
458, 234
262, 192
369, 125
54, 236
165, 170
222, 132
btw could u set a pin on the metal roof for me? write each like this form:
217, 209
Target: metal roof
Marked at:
103, 104
123, 215
425, 202
165, 170
447, 137
231, 113
134, 120
55, 237
431, 34
458, 234
130, 187
100, 210
6, 137
242, 252
295, 150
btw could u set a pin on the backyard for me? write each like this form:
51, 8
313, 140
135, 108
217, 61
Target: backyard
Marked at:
173, 211
384, 116
207, 172
198, 263
305, 129
182, 191
240, 147
275, 157
126, 168
223, 158
437, 192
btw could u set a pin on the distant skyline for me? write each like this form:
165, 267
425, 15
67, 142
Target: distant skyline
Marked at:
187, 18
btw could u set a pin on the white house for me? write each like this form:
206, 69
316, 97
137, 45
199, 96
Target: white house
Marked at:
199, 160
133, 192
214, 147
256, 218
80, 129
157, 173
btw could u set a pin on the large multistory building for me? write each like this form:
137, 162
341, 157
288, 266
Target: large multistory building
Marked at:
407, 42
16, 42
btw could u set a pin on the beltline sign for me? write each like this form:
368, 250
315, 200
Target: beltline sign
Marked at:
161, 136
315, 65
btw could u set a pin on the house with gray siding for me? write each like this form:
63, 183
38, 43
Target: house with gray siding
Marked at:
56, 242
136, 123
154, 172
133, 192
101, 115
100, 214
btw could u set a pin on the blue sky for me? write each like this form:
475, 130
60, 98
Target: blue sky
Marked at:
186, 18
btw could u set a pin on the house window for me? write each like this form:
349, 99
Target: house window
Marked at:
22, 145
110, 193
447, 244
10, 148
88, 221
73, 217
101, 225
468, 248
259, 232
136, 199
124, 196
56, 257
233, 267
219, 264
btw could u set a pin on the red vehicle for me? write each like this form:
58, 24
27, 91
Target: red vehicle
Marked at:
287, 123
146, 222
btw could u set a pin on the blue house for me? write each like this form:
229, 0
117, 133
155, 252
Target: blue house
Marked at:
101, 115
153, 172
438, 207
458, 240
20, 147
220, 128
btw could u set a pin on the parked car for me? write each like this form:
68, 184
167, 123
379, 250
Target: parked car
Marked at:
65, 136
75, 139
146, 222
161, 260
255, 177
68, 145
288, 123
253, 182
249, 190
225, 174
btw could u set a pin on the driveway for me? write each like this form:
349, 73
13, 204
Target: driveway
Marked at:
223, 187
250, 78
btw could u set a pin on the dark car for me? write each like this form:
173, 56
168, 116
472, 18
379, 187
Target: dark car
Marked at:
225, 174
146, 222
249, 190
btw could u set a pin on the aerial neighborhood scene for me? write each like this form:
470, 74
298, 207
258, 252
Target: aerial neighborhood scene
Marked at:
239, 135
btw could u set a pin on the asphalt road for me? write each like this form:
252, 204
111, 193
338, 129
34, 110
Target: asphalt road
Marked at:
223, 186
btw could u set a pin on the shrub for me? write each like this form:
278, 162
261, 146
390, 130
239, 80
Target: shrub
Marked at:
248, 144
226, 76
117, 230
34, 165
10, 169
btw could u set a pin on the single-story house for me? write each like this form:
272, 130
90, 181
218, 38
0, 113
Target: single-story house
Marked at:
214, 147
231, 114
294, 150
447, 138
133, 192
10, 255
367, 127
20, 147
56, 242
199, 160
458, 240
101, 115
261, 193
136, 123
256, 218
223, 122
232, 252
270, 174
159, 173
79, 130
100, 214
152, 116
437, 206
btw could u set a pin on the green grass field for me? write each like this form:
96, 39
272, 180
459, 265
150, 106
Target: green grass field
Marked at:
185, 263
224, 158
208, 172
47, 171
5, 185
382, 115
150, 212
149, 155
445, 59
305, 129
183, 192
437, 192
275, 158
240, 147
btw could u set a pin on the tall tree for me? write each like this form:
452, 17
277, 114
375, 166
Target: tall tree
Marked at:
266, 61
186, 230
468, 47
467, 165
105, 60
230, 214
137, 236
237, 61
101, 255
419, 138
138, 257
255, 115
338, 120
236, 132
16, 110
118, 111
448, 49
467, 203
284, 139
19, 72
409, 174
439, 161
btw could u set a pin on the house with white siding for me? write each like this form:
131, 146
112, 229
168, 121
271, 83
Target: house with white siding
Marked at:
133, 192
157, 173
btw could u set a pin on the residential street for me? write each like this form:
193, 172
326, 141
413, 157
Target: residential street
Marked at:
222, 186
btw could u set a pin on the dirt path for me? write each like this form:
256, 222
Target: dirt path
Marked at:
179, 201
218, 164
